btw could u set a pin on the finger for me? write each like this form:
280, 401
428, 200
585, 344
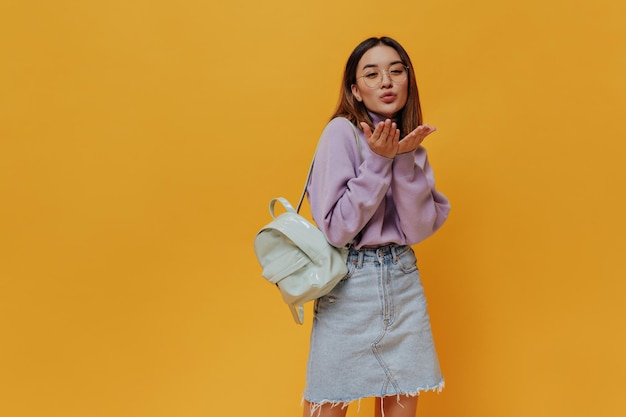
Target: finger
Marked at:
380, 133
429, 129
366, 130
422, 131
396, 136
385, 129
389, 132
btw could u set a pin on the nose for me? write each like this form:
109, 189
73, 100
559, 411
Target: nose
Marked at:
386, 80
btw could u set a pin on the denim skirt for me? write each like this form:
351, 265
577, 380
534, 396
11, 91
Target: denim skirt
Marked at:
371, 335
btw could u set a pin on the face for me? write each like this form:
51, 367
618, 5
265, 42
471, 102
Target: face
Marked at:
388, 97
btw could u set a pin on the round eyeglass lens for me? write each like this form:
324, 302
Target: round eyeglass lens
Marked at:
373, 77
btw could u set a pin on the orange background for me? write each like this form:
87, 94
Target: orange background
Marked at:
141, 141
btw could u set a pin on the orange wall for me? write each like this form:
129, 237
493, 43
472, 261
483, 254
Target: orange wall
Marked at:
140, 142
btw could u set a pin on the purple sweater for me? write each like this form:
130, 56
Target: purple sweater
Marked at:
386, 200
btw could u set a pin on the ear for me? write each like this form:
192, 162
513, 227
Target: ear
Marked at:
355, 92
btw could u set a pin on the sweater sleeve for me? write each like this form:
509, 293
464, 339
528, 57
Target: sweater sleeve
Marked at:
344, 193
420, 207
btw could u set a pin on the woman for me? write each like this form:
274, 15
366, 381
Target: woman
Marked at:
371, 335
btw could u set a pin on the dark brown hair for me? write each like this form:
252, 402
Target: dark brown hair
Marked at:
349, 107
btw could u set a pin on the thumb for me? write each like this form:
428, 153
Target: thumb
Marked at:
366, 130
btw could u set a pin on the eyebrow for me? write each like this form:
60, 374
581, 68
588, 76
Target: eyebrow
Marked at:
376, 66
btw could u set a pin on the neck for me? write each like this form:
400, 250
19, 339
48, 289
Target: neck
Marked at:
380, 118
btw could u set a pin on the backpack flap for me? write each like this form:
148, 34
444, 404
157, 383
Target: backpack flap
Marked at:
304, 235
283, 262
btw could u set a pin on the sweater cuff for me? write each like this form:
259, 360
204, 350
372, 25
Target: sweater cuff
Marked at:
378, 163
404, 164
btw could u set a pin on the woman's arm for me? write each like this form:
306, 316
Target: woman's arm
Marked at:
421, 208
344, 193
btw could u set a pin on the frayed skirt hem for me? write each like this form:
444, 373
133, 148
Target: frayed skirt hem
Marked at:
316, 405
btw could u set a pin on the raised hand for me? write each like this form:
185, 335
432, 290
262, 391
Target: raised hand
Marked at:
415, 138
384, 140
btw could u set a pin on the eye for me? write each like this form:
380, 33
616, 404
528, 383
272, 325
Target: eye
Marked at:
371, 75
397, 69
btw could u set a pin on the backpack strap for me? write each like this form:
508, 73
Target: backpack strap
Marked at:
308, 177
297, 312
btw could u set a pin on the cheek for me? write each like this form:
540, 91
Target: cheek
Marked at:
405, 97
366, 97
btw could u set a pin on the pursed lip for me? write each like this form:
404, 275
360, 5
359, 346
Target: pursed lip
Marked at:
388, 97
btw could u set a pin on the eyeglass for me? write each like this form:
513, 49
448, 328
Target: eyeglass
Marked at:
373, 77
